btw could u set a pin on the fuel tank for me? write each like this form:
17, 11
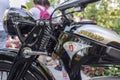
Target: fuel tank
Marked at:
97, 33
89, 39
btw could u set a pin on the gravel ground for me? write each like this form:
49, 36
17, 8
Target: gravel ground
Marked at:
58, 74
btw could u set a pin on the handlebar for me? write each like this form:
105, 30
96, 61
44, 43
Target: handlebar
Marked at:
38, 22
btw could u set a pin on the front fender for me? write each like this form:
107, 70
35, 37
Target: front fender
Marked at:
37, 67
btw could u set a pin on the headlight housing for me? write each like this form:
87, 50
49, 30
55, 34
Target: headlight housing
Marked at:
16, 15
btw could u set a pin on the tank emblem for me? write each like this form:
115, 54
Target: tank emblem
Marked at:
71, 47
91, 35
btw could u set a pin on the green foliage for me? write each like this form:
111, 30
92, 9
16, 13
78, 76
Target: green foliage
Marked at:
29, 4
54, 3
103, 14
101, 71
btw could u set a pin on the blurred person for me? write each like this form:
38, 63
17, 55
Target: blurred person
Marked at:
48, 60
35, 11
4, 4
55, 60
40, 11
47, 6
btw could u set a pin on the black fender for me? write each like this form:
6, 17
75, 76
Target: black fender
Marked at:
37, 67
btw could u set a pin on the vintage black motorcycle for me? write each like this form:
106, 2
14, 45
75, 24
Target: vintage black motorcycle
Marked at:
84, 44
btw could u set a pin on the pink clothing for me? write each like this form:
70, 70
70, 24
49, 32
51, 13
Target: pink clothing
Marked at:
35, 12
43, 13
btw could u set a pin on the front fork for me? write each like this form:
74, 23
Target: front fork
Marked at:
20, 67
32, 42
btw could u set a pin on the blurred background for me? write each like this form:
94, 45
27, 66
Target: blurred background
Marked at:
105, 13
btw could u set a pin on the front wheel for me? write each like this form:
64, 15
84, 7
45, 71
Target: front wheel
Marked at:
5, 68
6, 61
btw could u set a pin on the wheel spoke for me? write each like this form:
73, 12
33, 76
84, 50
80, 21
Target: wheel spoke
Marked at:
3, 75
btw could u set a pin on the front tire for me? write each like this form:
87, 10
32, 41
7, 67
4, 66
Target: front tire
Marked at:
6, 61
5, 68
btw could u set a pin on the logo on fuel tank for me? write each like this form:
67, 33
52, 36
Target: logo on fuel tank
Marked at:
72, 47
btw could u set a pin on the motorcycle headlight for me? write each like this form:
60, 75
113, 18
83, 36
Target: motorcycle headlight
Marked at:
16, 15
